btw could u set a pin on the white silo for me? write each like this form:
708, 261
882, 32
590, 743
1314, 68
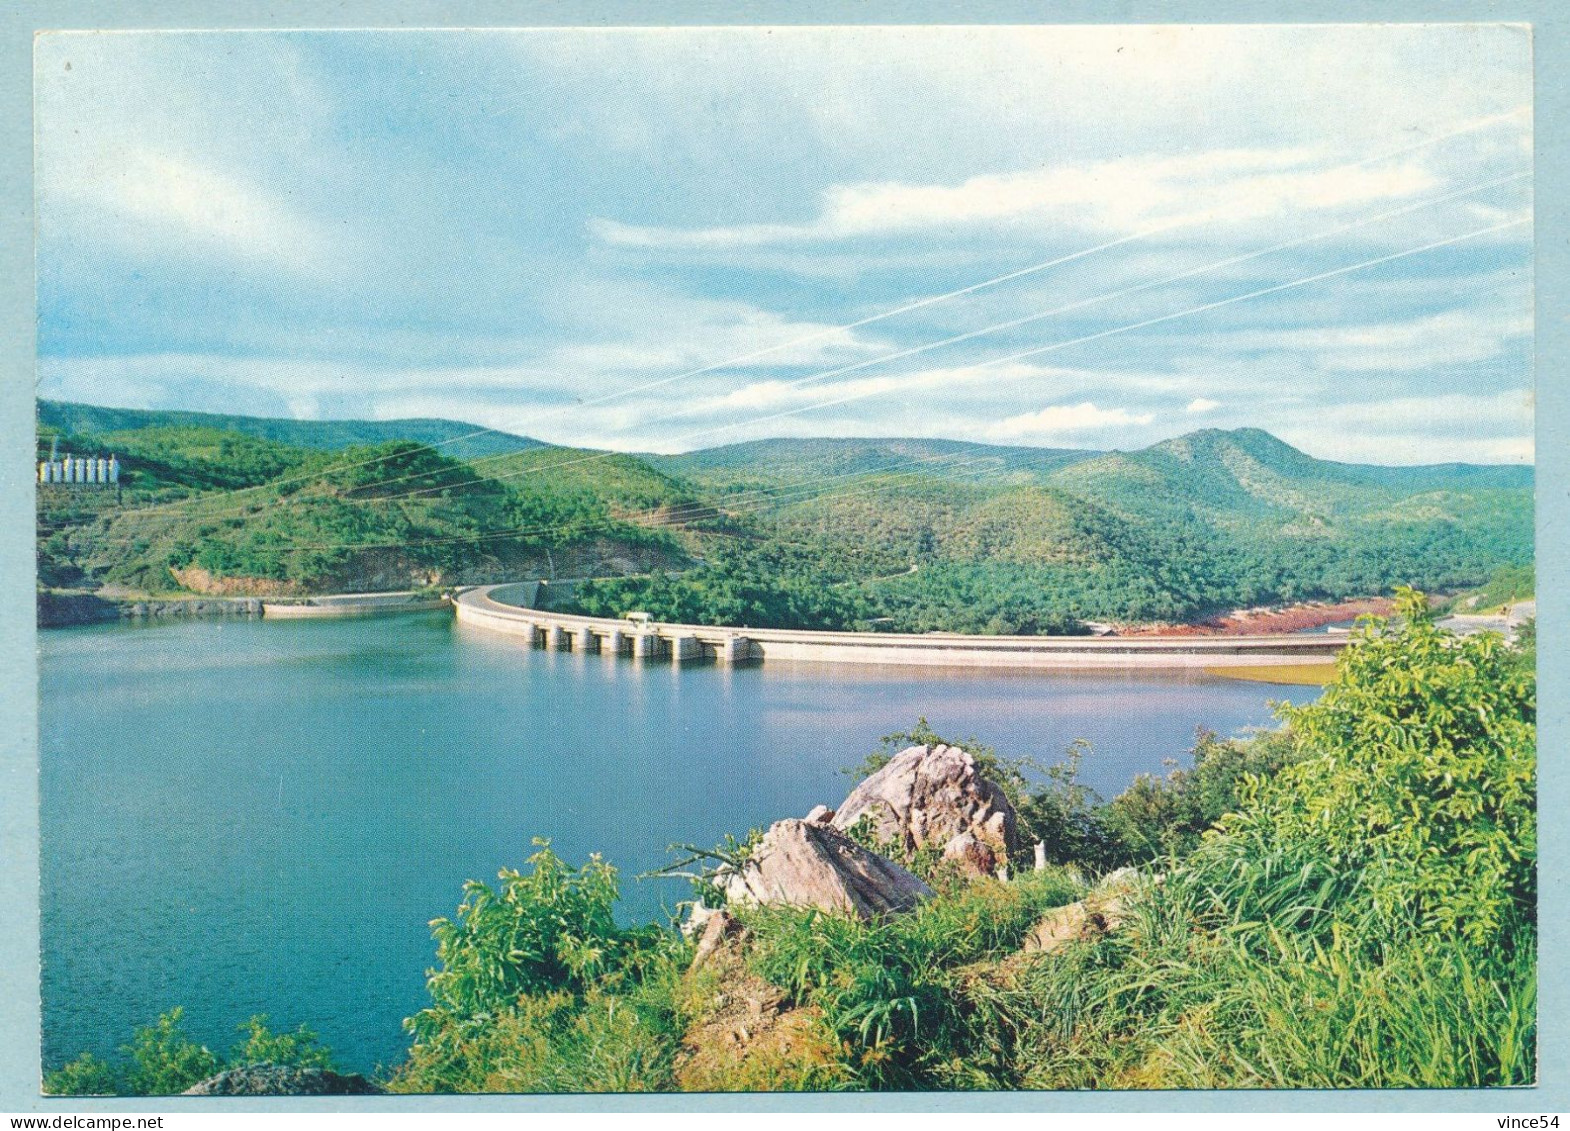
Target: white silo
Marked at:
114, 469
102, 470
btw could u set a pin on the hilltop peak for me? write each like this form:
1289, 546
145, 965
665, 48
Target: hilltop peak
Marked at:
1220, 446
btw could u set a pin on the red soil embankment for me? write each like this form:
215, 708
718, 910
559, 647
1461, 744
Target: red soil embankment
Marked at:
1257, 622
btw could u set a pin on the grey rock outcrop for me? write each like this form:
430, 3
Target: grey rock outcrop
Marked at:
282, 1080
1101, 912
813, 865
927, 796
974, 857
719, 927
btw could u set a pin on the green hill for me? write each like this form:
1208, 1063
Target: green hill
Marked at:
794, 460
628, 484
451, 438
1249, 479
227, 513
905, 534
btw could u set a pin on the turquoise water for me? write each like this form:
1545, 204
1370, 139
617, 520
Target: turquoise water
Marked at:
247, 817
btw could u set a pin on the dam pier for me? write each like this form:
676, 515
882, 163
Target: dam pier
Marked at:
509, 609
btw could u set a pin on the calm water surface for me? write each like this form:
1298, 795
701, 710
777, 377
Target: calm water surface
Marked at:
248, 817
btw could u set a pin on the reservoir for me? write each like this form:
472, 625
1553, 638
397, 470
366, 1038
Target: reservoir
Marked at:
244, 817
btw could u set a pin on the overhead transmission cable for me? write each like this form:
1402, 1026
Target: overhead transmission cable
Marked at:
1065, 344
1461, 130
1221, 264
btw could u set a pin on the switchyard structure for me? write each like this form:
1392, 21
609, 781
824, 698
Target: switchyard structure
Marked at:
86, 471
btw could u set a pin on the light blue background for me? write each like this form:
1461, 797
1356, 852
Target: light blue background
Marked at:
18, 776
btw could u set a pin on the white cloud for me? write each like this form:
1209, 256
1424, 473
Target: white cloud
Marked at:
1444, 339
1447, 427
182, 145
143, 197
1202, 404
1055, 419
1115, 196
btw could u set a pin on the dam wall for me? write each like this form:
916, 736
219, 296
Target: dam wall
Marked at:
481, 608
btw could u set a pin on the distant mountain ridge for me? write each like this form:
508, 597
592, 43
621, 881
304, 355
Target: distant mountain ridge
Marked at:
1181, 464
322, 435
1201, 451
817, 456
921, 534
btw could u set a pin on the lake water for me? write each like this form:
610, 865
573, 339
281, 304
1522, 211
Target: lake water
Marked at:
245, 817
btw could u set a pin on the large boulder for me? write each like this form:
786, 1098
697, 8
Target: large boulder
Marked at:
282, 1080
798, 864
927, 796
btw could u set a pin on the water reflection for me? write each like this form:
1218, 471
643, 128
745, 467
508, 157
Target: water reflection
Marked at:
244, 817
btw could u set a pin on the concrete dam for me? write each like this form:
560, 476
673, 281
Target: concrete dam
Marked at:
508, 609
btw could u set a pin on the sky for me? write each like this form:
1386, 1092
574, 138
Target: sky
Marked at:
667, 239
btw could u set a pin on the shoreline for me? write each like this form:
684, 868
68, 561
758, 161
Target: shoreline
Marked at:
67, 608
58, 609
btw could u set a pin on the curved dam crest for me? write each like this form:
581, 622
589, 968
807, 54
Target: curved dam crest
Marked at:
509, 609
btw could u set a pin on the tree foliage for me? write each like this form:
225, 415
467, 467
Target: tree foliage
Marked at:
1420, 791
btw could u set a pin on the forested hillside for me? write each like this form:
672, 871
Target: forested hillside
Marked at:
225, 512
899, 535
454, 438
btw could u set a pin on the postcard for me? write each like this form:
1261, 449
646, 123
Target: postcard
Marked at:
786, 559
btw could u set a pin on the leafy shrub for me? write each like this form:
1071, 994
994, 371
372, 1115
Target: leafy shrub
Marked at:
1420, 794
538, 984
888, 988
161, 1060
1165, 817
301, 1048
545, 930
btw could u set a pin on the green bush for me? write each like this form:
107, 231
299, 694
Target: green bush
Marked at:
891, 989
161, 1060
1156, 818
1420, 792
545, 930
538, 984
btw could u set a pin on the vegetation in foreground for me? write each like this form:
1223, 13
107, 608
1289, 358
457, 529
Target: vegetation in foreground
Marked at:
162, 1060
1348, 902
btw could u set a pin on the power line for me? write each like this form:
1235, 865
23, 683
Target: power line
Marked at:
1461, 130
1129, 327
1122, 292
927, 347
1202, 308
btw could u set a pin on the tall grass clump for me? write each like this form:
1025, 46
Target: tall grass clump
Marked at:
894, 990
1366, 918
